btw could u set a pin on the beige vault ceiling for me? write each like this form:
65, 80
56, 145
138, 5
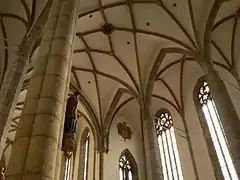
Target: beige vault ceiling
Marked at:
104, 64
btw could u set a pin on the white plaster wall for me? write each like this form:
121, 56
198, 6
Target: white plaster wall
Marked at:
232, 87
117, 145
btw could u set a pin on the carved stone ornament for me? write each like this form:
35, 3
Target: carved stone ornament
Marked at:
124, 131
68, 144
69, 135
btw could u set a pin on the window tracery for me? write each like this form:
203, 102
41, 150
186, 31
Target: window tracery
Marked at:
216, 131
204, 94
84, 155
163, 122
127, 167
168, 146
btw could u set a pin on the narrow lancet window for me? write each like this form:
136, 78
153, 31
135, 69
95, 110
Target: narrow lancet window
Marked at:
168, 146
217, 132
86, 157
127, 167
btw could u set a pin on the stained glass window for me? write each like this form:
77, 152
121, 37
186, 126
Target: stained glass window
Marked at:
168, 146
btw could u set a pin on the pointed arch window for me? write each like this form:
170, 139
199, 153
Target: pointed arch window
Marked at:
216, 131
127, 167
168, 146
84, 155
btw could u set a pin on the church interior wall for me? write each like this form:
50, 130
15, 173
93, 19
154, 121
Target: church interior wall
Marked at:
117, 145
232, 87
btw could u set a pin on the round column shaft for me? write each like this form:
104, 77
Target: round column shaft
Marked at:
152, 153
34, 153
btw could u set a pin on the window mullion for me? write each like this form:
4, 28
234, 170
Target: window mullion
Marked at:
171, 154
164, 127
177, 156
67, 168
168, 158
163, 157
217, 132
218, 140
223, 143
220, 124
126, 174
174, 153
86, 156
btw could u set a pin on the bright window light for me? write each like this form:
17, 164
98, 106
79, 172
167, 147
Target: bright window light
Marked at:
168, 147
217, 132
125, 169
86, 156
67, 168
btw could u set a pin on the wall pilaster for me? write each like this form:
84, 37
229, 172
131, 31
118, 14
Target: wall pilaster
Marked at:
152, 153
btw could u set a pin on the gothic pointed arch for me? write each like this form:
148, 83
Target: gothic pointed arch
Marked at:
84, 155
169, 154
213, 132
128, 169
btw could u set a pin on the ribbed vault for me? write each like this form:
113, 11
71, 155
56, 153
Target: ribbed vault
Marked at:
149, 52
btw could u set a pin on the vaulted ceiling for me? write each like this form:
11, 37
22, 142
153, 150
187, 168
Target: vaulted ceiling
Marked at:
123, 56
118, 41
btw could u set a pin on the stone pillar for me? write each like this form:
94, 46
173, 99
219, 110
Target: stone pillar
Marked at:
35, 150
227, 112
152, 153
13, 79
101, 165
